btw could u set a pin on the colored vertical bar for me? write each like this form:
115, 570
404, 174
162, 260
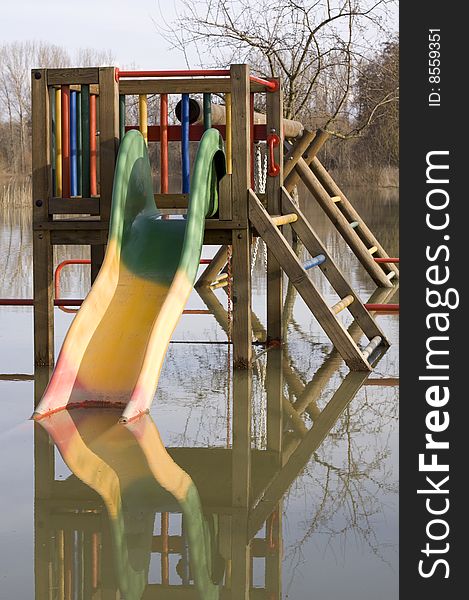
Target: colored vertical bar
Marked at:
65, 141
73, 143
85, 129
164, 142
121, 116
207, 110
52, 138
251, 116
143, 115
58, 142
79, 145
93, 154
165, 548
185, 144
228, 135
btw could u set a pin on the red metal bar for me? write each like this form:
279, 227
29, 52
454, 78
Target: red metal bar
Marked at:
205, 261
386, 260
59, 268
164, 142
65, 100
93, 153
60, 302
272, 86
180, 73
195, 132
383, 307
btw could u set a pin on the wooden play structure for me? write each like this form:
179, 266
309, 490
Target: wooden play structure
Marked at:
78, 120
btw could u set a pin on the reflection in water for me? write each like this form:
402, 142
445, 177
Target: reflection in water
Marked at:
95, 532
302, 501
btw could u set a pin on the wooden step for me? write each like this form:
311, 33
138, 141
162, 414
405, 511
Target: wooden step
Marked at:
290, 263
390, 275
374, 343
314, 246
284, 219
339, 306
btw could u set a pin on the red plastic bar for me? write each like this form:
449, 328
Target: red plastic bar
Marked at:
383, 307
386, 260
65, 100
180, 73
93, 152
164, 142
195, 132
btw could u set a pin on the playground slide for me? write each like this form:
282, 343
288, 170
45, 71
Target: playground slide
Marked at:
114, 350
131, 470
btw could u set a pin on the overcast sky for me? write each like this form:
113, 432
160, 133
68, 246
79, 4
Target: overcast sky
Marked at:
126, 27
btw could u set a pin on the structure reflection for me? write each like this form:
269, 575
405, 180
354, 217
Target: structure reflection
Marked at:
95, 530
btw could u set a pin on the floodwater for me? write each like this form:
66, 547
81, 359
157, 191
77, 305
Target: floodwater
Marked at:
94, 510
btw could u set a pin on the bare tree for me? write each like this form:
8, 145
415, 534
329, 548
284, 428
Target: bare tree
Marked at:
317, 47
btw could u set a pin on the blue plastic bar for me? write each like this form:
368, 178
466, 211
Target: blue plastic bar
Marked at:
314, 262
73, 144
185, 144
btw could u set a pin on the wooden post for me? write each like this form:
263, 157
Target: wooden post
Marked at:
241, 484
108, 145
42, 249
241, 238
274, 104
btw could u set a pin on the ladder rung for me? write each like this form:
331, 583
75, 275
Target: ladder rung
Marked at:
314, 262
218, 284
347, 301
391, 274
354, 224
373, 249
336, 198
374, 343
284, 219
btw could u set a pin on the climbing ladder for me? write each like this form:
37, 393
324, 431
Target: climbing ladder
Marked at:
302, 163
267, 227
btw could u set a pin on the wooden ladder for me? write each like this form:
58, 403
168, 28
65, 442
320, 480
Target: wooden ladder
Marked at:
347, 221
265, 224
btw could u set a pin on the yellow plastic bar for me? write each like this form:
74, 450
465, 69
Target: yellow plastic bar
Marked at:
143, 115
58, 143
229, 164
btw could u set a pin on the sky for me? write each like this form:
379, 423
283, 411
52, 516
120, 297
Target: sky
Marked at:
126, 27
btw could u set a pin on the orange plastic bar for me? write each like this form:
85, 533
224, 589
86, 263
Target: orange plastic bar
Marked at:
93, 151
386, 260
65, 101
164, 142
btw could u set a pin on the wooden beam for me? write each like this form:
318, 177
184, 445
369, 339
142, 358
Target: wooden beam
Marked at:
175, 201
210, 273
296, 151
42, 249
73, 76
335, 276
299, 277
274, 106
74, 206
317, 143
241, 239
301, 455
215, 85
341, 222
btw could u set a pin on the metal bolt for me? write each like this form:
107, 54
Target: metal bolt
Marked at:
39, 203
37, 75
240, 236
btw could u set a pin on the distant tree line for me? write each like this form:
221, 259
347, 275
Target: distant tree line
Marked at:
16, 61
